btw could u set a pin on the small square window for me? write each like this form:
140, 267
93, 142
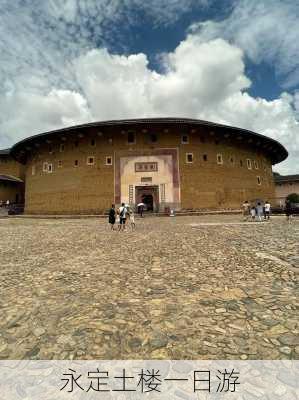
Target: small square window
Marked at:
259, 180
92, 142
219, 159
189, 158
59, 164
61, 148
153, 138
131, 137
45, 167
185, 139
205, 157
109, 160
76, 163
90, 160
249, 166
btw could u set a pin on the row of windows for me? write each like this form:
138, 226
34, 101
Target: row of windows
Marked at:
48, 167
220, 160
286, 183
131, 139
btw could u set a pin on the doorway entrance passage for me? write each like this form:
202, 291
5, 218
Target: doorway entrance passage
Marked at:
149, 195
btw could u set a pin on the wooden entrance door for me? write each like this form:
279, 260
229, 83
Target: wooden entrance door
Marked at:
148, 195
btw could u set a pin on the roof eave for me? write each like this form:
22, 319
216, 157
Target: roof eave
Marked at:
276, 156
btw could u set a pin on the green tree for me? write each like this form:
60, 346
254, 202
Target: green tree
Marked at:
293, 198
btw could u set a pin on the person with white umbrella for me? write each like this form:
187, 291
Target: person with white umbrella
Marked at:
140, 209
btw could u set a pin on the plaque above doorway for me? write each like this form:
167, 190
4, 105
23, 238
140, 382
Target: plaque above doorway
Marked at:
146, 179
146, 166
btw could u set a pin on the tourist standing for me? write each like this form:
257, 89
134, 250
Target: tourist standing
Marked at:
132, 220
267, 210
259, 211
246, 210
112, 214
253, 213
141, 209
288, 210
122, 216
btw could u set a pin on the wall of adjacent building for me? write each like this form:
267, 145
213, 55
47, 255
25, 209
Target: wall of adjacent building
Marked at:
9, 166
14, 192
91, 188
11, 191
283, 189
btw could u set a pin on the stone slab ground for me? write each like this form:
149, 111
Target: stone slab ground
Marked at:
177, 288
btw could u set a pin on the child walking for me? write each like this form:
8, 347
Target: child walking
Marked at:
252, 213
132, 220
259, 211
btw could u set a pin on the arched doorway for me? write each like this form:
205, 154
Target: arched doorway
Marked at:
148, 200
149, 195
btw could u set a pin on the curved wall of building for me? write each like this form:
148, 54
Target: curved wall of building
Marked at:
9, 166
11, 189
87, 169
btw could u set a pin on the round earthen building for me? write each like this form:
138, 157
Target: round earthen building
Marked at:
163, 162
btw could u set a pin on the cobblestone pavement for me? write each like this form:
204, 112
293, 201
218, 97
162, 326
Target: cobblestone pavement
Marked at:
177, 288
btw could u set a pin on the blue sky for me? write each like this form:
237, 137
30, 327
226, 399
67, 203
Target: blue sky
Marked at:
75, 61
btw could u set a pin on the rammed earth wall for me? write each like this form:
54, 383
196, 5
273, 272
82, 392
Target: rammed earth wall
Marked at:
218, 176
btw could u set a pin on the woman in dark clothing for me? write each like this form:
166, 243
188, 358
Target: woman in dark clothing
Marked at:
112, 214
288, 210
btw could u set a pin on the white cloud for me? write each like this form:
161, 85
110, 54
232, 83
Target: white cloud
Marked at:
203, 80
27, 112
53, 73
267, 30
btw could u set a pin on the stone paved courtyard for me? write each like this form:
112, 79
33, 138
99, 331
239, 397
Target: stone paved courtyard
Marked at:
177, 288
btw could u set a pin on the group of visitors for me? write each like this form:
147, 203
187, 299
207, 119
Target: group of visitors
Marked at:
4, 203
260, 211
119, 217
257, 211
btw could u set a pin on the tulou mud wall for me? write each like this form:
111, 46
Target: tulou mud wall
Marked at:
87, 170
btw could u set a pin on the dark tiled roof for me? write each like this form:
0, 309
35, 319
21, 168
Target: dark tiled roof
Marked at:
4, 152
286, 178
10, 178
274, 149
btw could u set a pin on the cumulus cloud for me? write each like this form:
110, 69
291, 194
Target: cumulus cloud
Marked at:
49, 81
43, 36
203, 80
267, 30
24, 112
